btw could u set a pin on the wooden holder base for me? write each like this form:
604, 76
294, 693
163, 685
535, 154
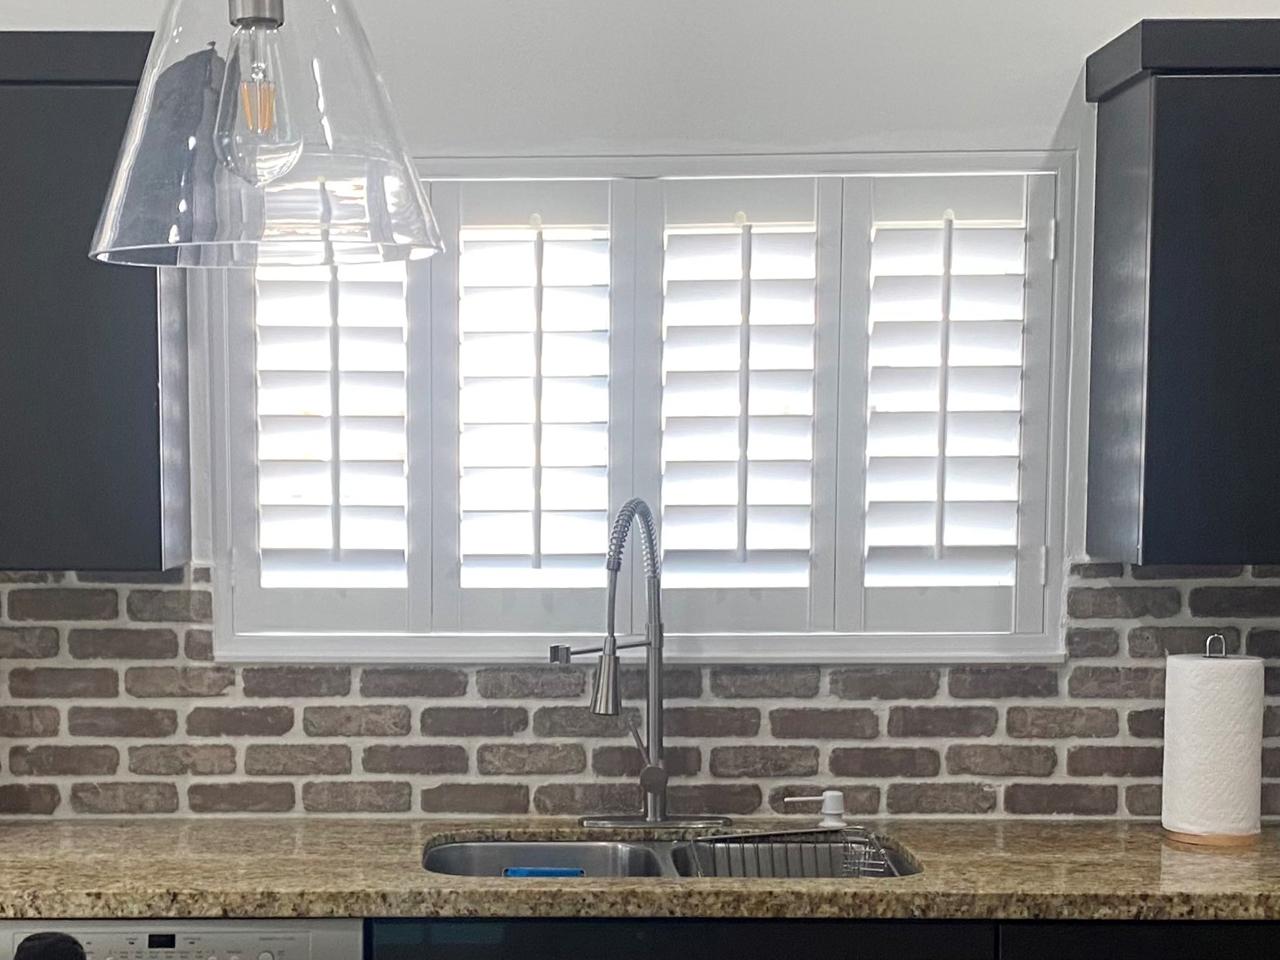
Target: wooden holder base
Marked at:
1214, 839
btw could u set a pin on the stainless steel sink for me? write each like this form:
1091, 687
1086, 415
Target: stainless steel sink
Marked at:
855, 853
548, 858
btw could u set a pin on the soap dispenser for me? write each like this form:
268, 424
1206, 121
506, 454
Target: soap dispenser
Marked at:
832, 808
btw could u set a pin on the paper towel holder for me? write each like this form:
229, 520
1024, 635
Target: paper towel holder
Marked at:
1208, 646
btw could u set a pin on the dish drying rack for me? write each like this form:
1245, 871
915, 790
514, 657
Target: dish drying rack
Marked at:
848, 852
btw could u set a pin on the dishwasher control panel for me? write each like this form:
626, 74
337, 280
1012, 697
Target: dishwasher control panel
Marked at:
198, 940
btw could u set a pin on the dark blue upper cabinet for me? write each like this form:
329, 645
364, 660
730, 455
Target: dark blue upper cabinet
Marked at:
1184, 431
93, 387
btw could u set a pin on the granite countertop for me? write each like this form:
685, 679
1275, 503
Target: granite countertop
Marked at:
373, 868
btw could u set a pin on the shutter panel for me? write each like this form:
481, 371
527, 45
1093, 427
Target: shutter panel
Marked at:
738, 329
533, 370
331, 398
945, 399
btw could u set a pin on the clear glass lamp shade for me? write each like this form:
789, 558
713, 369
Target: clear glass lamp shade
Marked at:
256, 146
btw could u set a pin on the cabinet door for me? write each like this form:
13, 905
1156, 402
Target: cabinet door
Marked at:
1182, 940
80, 455
1212, 432
659, 939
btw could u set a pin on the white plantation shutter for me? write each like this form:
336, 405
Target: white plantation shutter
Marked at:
739, 322
836, 391
944, 389
331, 407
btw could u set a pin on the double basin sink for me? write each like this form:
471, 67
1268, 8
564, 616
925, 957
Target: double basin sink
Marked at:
777, 857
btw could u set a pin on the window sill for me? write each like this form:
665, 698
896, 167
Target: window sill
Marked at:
823, 648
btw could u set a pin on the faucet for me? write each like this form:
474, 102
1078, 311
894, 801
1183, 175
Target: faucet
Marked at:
606, 698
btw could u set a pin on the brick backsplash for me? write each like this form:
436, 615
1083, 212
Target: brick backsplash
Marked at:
112, 705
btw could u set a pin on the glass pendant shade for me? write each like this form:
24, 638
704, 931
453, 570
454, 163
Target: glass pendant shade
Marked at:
269, 141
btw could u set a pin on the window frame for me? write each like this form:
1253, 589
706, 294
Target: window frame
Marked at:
219, 354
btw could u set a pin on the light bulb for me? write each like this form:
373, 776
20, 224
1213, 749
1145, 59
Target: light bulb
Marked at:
255, 136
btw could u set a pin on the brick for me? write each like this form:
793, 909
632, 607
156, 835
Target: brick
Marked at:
30, 576
1116, 683
170, 606
292, 760
474, 721
530, 758
1271, 799
531, 683
121, 722
1115, 761
983, 760
112, 799
736, 799
764, 761
239, 721
28, 643
580, 722
1097, 571
1040, 799
988, 683
476, 798
49, 761
371, 721
712, 721
1143, 799
29, 798
943, 721
563, 799
626, 761
185, 682
1235, 601
858, 801
954, 798
415, 758
855, 723
884, 762
767, 682
1271, 762
885, 683
201, 760
175, 577
1271, 721
1263, 643
1271, 681
1051, 723
1122, 603
1185, 572
244, 797
374, 796
430, 682
198, 645
296, 681
1148, 724
678, 683
1265, 571
63, 683
63, 603
1155, 643
120, 644
24, 723
1092, 642
201, 575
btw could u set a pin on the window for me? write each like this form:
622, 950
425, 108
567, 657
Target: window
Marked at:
836, 391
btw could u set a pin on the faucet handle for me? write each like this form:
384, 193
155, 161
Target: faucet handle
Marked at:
561, 653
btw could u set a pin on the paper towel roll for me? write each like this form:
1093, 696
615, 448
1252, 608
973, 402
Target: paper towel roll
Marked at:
1213, 747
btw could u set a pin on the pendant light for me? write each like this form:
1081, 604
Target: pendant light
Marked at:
262, 135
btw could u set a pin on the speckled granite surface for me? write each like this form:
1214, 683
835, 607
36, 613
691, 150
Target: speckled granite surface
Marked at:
372, 868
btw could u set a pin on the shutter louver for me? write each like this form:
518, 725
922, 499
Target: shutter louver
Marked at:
944, 401
534, 405
331, 458
737, 405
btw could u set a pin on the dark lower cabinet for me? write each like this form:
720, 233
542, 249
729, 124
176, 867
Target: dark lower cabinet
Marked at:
661, 939
773, 939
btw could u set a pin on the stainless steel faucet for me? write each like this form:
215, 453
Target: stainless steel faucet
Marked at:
606, 699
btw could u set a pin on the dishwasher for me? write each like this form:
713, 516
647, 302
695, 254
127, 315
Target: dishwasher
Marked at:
193, 939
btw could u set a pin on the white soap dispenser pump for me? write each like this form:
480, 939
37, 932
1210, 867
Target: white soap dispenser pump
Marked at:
832, 808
